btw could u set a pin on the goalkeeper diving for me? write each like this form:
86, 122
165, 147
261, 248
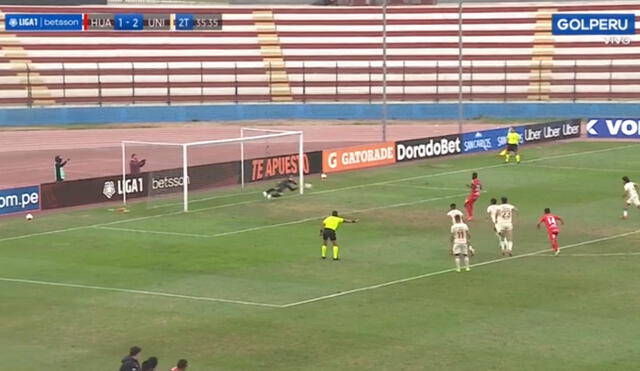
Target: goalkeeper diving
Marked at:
289, 183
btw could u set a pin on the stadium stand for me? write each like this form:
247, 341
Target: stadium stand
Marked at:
314, 54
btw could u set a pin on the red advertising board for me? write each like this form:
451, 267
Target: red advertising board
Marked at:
358, 157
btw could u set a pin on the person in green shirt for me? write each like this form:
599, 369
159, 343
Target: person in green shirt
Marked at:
59, 168
513, 139
328, 232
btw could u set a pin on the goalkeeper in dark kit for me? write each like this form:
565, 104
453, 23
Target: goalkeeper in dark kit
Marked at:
289, 183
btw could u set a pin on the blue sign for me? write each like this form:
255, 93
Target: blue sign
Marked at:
19, 199
613, 128
593, 24
129, 22
184, 22
487, 140
43, 22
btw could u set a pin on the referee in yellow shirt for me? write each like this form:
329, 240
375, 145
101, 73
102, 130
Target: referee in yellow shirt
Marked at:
513, 139
330, 225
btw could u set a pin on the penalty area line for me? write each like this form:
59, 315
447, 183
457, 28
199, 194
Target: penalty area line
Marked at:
138, 292
432, 274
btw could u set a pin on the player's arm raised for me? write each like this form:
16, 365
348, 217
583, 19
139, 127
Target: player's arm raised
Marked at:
350, 220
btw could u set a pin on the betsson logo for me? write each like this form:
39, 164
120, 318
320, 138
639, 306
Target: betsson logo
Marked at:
168, 182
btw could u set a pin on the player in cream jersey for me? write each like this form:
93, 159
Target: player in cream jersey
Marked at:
504, 225
460, 243
630, 195
453, 211
492, 210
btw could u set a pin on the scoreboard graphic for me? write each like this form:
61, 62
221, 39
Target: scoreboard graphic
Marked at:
30, 22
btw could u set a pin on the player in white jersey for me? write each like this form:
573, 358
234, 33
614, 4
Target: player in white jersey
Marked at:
460, 238
492, 210
453, 211
504, 219
630, 195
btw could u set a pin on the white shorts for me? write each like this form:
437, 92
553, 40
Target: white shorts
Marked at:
503, 227
460, 249
633, 201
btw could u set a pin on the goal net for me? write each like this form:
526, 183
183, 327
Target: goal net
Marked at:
181, 174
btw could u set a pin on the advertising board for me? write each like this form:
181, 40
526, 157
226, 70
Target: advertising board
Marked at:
621, 128
424, 148
358, 157
19, 199
280, 166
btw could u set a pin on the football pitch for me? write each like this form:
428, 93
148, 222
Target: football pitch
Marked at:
238, 284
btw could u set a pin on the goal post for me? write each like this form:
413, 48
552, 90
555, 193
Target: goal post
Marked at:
182, 163
125, 144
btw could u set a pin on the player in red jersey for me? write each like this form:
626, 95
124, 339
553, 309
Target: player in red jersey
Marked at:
475, 187
551, 222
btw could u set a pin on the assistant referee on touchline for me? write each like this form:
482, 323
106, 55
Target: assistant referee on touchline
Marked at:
513, 140
328, 232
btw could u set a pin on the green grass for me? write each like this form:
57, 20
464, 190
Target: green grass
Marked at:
528, 313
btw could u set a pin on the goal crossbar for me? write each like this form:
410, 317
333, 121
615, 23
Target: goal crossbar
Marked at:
271, 133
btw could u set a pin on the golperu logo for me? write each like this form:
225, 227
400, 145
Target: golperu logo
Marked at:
358, 157
593, 24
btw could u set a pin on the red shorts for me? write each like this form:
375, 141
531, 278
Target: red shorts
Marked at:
553, 235
472, 198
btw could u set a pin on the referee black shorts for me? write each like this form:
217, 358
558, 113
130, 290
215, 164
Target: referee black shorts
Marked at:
328, 234
512, 147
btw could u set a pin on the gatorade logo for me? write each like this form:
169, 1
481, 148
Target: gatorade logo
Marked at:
358, 157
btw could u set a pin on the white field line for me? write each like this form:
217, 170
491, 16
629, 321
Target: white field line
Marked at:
269, 226
581, 168
297, 303
320, 192
153, 232
230, 195
594, 255
431, 274
138, 292
421, 187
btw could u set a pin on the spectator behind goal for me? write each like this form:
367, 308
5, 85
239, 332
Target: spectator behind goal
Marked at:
59, 168
135, 165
